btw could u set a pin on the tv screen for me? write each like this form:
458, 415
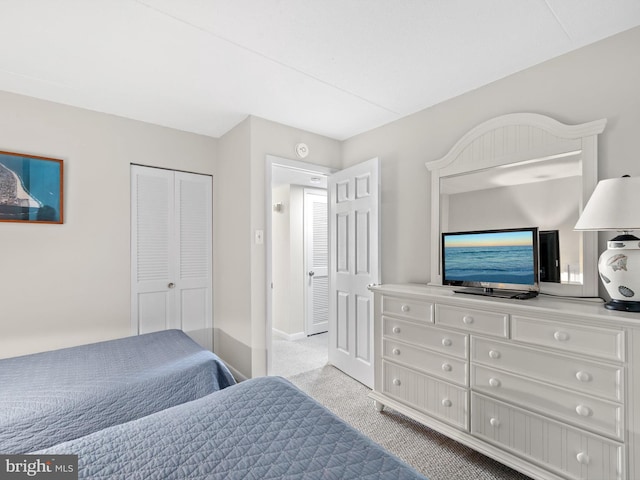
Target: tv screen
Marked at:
502, 259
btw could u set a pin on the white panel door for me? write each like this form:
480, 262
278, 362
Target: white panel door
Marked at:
316, 238
171, 252
354, 265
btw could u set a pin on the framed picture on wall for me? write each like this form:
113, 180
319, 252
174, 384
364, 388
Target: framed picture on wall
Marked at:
31, 189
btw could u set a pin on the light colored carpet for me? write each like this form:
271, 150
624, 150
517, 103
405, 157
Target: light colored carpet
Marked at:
434, 455
289, 358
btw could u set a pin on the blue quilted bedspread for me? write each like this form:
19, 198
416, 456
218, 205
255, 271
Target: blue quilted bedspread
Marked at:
51, 397
263, 428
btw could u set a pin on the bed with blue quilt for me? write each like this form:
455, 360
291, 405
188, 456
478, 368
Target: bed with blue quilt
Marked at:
264, 428
51, 397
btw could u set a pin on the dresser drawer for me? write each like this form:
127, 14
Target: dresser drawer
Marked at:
582, 375
569, 451
599, 416
435, 364
480, 321
451, 343
413, 309
442, 400
596, 341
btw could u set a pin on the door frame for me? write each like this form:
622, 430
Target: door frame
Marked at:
270, 162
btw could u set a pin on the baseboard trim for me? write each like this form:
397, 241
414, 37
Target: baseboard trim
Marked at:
288, 336
236, 374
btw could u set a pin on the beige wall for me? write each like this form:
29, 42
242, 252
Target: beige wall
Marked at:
297, 274
270, 138
287, 266
240, 282
281, 265
68, 284
232, 244
62, 285
598, 81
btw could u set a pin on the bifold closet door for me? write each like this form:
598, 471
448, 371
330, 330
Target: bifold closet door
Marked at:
171, 250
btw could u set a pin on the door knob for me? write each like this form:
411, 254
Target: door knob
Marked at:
171, 285
312, 273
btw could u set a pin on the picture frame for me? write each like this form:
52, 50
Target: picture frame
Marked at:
31, 188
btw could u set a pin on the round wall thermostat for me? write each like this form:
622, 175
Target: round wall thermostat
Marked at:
302, 150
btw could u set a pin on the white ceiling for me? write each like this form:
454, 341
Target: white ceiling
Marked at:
332, 67
282, 175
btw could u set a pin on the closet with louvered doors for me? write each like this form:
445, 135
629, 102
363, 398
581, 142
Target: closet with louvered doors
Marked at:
171, 252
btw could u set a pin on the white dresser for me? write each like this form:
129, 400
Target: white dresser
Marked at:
547, 386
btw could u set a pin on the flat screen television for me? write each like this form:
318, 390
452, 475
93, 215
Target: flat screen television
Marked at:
502, 263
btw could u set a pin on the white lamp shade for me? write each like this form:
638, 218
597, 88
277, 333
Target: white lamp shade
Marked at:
614, 205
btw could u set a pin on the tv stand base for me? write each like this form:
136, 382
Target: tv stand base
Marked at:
490, 292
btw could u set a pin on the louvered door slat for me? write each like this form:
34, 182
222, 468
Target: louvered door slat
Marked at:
317, 259
171, 252
153, 207
194, 230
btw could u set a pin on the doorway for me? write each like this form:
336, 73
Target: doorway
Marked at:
297, 253
354, 263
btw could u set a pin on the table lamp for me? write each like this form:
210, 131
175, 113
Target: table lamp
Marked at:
615, 205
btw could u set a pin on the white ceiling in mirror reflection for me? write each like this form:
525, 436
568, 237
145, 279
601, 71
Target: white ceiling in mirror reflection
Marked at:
531, 171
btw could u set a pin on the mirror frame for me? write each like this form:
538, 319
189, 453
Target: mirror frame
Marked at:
515, 138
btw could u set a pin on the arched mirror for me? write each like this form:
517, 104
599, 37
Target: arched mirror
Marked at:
522, 170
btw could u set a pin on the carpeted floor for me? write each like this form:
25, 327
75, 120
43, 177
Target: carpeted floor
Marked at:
434, 455
290, 358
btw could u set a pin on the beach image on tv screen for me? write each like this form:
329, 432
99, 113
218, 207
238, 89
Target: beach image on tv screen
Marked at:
498, 257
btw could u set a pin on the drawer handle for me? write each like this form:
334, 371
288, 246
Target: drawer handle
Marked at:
494, 422
397, 382
446, 342
467, 319
396, 351
446, 367
583, 411
395, 329
446, 402
561, 336
583, 458
495, 354
405, 308
494, 382
583, 376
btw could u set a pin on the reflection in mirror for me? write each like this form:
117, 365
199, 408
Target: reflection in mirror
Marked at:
531, 193
522, 170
